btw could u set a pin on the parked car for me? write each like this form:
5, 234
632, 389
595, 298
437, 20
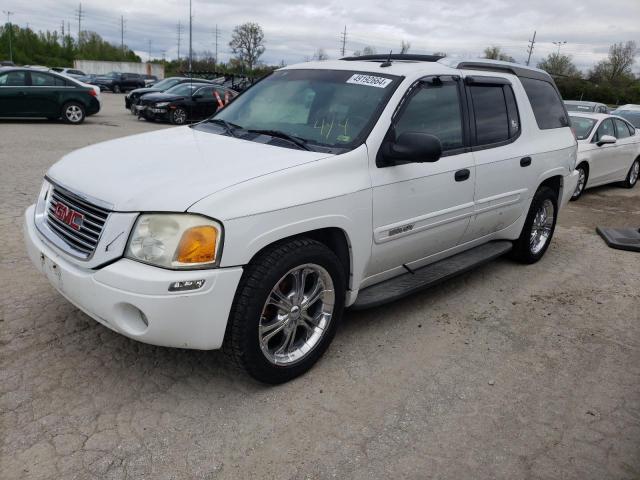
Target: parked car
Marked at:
629, 106
580, 106
120, 82
69, 72
132, 98
6, 63
184, 103
34, 93
608, 151
631, 116
149, 80
327, 184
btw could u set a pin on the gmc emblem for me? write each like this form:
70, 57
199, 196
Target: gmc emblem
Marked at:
66, 215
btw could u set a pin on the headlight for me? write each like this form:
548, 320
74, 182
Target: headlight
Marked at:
177, 241
161, 104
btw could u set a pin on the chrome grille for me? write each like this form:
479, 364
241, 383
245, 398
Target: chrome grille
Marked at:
85, 239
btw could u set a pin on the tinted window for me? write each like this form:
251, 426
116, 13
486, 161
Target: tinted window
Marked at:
13, 79
605, 128
582, 126
621, 129
491, 116
434, 109
45, 80
546, 104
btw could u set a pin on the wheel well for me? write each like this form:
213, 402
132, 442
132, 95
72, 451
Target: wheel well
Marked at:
335, 239
554, 183
586, 165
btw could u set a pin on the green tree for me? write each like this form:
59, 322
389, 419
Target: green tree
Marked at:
560, 65
495, 53
616, 68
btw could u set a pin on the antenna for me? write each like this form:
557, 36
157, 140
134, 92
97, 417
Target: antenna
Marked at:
388, 62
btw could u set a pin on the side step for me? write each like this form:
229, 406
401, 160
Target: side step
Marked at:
408, 283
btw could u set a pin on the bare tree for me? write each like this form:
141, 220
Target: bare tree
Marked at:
560, 65
404, 47
440, 54
320, 54
368, 50
247, 43
495, 53
617, 66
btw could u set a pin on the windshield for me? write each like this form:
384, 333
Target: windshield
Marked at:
166, 83
632, 117
577, 107
582, 126
184, 89
332, 108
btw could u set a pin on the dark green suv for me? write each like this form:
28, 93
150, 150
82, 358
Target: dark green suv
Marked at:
34, 93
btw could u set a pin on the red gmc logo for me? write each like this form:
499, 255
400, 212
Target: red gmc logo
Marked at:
66, 215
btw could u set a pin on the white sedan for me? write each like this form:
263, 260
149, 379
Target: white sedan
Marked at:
608, 151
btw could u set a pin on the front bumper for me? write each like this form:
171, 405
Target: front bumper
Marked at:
151, 113
568, 187
132, 298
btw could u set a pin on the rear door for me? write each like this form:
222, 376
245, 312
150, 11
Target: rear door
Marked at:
44, 94
505, 170
13, 93
627, 149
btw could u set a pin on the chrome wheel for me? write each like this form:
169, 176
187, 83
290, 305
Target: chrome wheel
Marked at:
634, 173
73, 113
296, 315
179, 116
582, 180
541, 228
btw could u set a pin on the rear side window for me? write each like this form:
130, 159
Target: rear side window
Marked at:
434, 109
495, 113
621, 128
546, 104
45, 80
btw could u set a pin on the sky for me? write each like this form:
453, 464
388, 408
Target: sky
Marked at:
294, 30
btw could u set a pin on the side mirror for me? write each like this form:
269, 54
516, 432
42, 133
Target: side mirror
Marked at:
415, 147
605, 139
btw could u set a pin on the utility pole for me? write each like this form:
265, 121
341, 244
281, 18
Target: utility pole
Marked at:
532, 42
559, 44
10, 33
149, 58
79, 16
190, 38
62, 28
344, 39
122, 33
179, 37
216, 57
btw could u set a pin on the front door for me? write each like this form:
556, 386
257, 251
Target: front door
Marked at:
13, 96
421, 209
603, 163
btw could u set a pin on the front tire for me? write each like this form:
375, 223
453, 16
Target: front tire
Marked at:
583, 176
286, 310
73, 113
116, 89
538, 228
178, 116
632, 176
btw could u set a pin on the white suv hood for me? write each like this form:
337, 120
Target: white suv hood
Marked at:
169, 170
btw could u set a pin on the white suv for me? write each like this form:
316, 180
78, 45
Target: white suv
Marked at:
326, 185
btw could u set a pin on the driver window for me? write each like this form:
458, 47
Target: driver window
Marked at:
434, 109
605, 128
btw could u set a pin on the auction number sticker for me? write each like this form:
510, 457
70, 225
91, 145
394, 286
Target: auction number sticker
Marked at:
370, 80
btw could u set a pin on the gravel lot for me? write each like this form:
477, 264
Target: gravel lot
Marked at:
509, 372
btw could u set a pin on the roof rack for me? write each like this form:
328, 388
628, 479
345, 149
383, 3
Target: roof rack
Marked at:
394, 56
498, 66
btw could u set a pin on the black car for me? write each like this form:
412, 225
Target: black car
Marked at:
34, 93
185, 102
133, 97
119, 82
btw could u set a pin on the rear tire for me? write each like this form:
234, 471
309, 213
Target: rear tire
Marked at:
275, 331
538, 228
583, 177
73, 113
632, 176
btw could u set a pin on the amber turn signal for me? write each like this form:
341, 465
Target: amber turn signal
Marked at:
197, 245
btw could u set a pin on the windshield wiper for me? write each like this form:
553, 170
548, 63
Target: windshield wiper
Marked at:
229, 128
300, 142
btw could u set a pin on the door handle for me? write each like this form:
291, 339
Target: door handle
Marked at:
21, 94
462, 175
525, 161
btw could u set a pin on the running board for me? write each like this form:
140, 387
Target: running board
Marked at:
409, 283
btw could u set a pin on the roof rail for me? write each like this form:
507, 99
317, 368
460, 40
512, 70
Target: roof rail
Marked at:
394, 56
504, 67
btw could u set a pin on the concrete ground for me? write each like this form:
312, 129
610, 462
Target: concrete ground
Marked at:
508, 372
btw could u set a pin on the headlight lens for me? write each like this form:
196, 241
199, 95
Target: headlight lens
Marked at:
161, 104
178, 241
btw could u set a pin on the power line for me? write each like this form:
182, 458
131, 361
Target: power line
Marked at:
8, 13
530, 47
344, 39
